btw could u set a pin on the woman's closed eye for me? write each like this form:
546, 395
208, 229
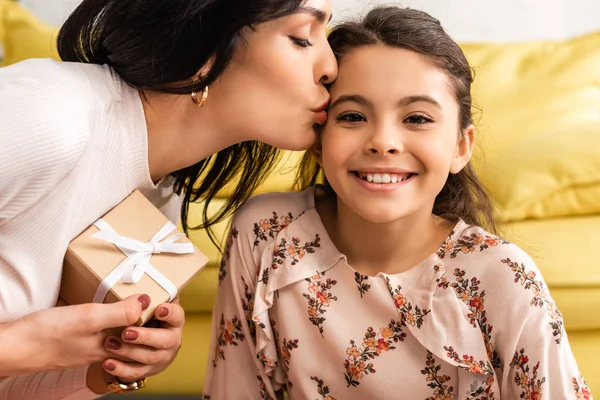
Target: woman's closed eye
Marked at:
418, 119
300, 42
352, 117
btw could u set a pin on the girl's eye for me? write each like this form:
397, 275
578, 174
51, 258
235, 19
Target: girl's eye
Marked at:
418, 119
300, 42
351, 117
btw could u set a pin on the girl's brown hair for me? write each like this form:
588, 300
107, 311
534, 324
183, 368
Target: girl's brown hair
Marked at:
463, 196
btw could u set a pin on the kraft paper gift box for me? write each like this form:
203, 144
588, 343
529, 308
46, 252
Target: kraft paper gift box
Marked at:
133, 249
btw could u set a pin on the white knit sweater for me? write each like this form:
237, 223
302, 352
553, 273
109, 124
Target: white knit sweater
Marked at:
73, 144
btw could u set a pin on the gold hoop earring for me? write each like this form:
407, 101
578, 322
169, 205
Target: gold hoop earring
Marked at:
202, 101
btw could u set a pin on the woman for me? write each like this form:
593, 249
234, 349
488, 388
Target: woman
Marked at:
131, 109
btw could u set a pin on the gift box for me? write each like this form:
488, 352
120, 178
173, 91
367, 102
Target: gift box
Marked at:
133, 249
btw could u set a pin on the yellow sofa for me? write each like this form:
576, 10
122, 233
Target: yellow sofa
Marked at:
24, 36
539, 134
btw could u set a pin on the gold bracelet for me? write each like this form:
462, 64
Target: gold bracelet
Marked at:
119, 387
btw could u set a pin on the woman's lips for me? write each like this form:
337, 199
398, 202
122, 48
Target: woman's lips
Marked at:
320, 117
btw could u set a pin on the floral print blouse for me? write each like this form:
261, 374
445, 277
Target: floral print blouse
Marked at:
473, 321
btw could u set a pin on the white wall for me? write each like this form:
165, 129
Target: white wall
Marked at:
466, 20
53, 12
498, 20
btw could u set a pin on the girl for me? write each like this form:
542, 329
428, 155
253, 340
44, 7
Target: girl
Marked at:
381, 284
130, 109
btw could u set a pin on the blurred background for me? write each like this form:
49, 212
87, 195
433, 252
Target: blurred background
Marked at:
466, 20
537, 81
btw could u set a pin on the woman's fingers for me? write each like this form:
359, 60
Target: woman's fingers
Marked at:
148, 347
123, 313
139, 352
158, 338
171, 313
127, 372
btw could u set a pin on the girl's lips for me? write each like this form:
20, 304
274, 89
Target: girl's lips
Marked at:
382, 187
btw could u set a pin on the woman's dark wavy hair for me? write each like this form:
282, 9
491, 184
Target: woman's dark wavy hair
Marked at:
160, 45
463, 196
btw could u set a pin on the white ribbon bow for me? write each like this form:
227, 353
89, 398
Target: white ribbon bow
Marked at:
139, 253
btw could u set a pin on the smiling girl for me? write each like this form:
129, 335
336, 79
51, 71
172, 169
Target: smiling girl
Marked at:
381, 283
129, 108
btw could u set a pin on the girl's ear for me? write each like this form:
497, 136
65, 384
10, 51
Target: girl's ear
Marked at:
464, 150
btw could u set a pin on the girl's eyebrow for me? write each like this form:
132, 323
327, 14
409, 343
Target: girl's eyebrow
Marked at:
408, 100
405, 101
354, 98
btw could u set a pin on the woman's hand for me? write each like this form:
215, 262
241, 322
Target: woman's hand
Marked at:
149, 349
64, 337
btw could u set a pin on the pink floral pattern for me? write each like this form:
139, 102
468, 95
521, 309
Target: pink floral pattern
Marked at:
476, 391
582, 391
439, 383
468, 244
467, 290
230, 334
541, 298
411, 315
322, 389
319, 298
469, 363
227, 254
290, 251
247, 306
374, 344
270, 227
526, 378
361, 282
284, 350
355, 322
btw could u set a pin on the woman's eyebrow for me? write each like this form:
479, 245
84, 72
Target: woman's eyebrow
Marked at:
320, 15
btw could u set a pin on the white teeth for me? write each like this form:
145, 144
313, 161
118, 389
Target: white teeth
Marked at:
384, 178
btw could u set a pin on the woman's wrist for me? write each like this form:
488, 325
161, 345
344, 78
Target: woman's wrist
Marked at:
16, 346
98, 379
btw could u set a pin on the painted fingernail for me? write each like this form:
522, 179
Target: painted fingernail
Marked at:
113, 344
144, 301
163, 312
110, 367
130, 335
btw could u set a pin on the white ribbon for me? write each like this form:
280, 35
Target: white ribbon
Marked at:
139, 253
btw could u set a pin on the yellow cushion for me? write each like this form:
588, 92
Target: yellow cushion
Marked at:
23, 36
564, 248
1, 22
536, 97
555, 173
